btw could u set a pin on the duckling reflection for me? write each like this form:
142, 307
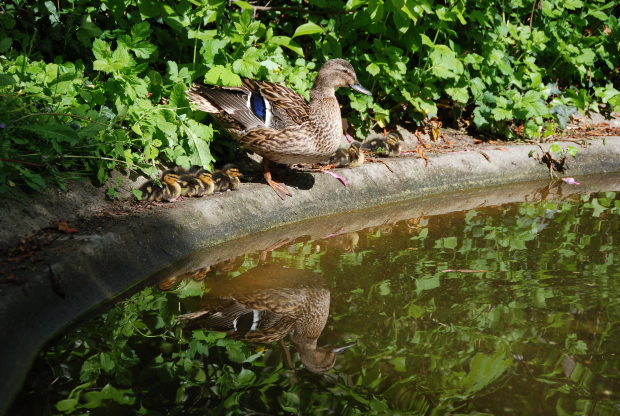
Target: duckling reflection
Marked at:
346, 241
195, 275
265, 304
229, 265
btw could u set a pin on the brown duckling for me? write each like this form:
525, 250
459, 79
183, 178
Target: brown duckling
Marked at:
386, 147
199, 185
227, 178
169, 190
185, 175
351, 157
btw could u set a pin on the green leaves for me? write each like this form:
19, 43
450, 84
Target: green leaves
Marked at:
108, 61
444, 64
249, 64
287, 42
220, 75
56, 132
308, 29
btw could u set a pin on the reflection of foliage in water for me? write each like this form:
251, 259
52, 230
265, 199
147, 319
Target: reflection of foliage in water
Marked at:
534, 329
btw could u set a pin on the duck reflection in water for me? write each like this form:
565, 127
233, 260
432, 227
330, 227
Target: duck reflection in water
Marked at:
265, 304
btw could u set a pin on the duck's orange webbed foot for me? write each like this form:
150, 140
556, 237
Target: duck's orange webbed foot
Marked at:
280, 189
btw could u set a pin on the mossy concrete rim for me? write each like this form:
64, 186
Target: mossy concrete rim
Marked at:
94, 268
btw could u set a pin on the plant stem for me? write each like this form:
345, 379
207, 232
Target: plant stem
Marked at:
22, 162
532, 15
60, 114
101, 157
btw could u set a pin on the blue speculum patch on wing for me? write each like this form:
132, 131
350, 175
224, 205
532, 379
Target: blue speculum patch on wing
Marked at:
258, 105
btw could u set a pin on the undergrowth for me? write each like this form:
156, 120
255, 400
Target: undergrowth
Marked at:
89, 86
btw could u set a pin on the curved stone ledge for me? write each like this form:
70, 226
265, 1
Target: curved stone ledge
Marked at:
96, 268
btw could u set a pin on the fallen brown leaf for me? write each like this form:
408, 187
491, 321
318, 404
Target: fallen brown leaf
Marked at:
63, 226
502, 149
519, 130
420, 151
20, 258
477, 141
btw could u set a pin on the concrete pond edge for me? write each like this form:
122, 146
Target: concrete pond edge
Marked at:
95, 268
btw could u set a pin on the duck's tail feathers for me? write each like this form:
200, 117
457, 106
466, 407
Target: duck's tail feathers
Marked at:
196, 94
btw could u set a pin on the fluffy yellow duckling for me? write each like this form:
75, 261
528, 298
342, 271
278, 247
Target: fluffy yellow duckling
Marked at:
351, 157
169, 190
386, 147
227, 178
199, 185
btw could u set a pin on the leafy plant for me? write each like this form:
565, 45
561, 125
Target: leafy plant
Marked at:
90, 86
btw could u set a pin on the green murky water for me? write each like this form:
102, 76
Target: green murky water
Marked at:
512, 309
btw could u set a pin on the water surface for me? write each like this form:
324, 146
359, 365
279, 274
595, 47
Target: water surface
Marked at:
509, 309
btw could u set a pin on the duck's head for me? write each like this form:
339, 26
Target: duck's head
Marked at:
337, 73
170, 177
356, 148
321, 360
392, 139
204, 175
231, 170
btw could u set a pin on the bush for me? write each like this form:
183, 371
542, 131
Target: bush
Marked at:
88, 86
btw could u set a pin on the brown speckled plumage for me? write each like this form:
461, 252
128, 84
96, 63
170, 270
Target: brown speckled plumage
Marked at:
276, 122
297, 131
266, 303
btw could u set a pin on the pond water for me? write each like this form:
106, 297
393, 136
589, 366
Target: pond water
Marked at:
510, 309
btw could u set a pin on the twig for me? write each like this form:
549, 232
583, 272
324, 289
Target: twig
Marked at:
485, 155
60, 114
295, 9
532, 15
22, 162
372, 159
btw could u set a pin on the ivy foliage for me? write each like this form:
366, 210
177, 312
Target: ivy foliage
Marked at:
88, 86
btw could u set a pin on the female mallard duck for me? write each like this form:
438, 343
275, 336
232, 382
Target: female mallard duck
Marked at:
276, 122
348, 158
227, 178
266, 303
387, 147
169, 190
199, 185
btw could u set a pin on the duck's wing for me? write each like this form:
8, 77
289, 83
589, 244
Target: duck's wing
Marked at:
232, 106
289, 146
241, 322
286, 102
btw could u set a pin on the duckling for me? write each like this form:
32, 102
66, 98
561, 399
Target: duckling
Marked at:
169, 190
388, 147
227, 178
196, 275
392, 145
351, 157
357, 157
185, 175
200, 185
